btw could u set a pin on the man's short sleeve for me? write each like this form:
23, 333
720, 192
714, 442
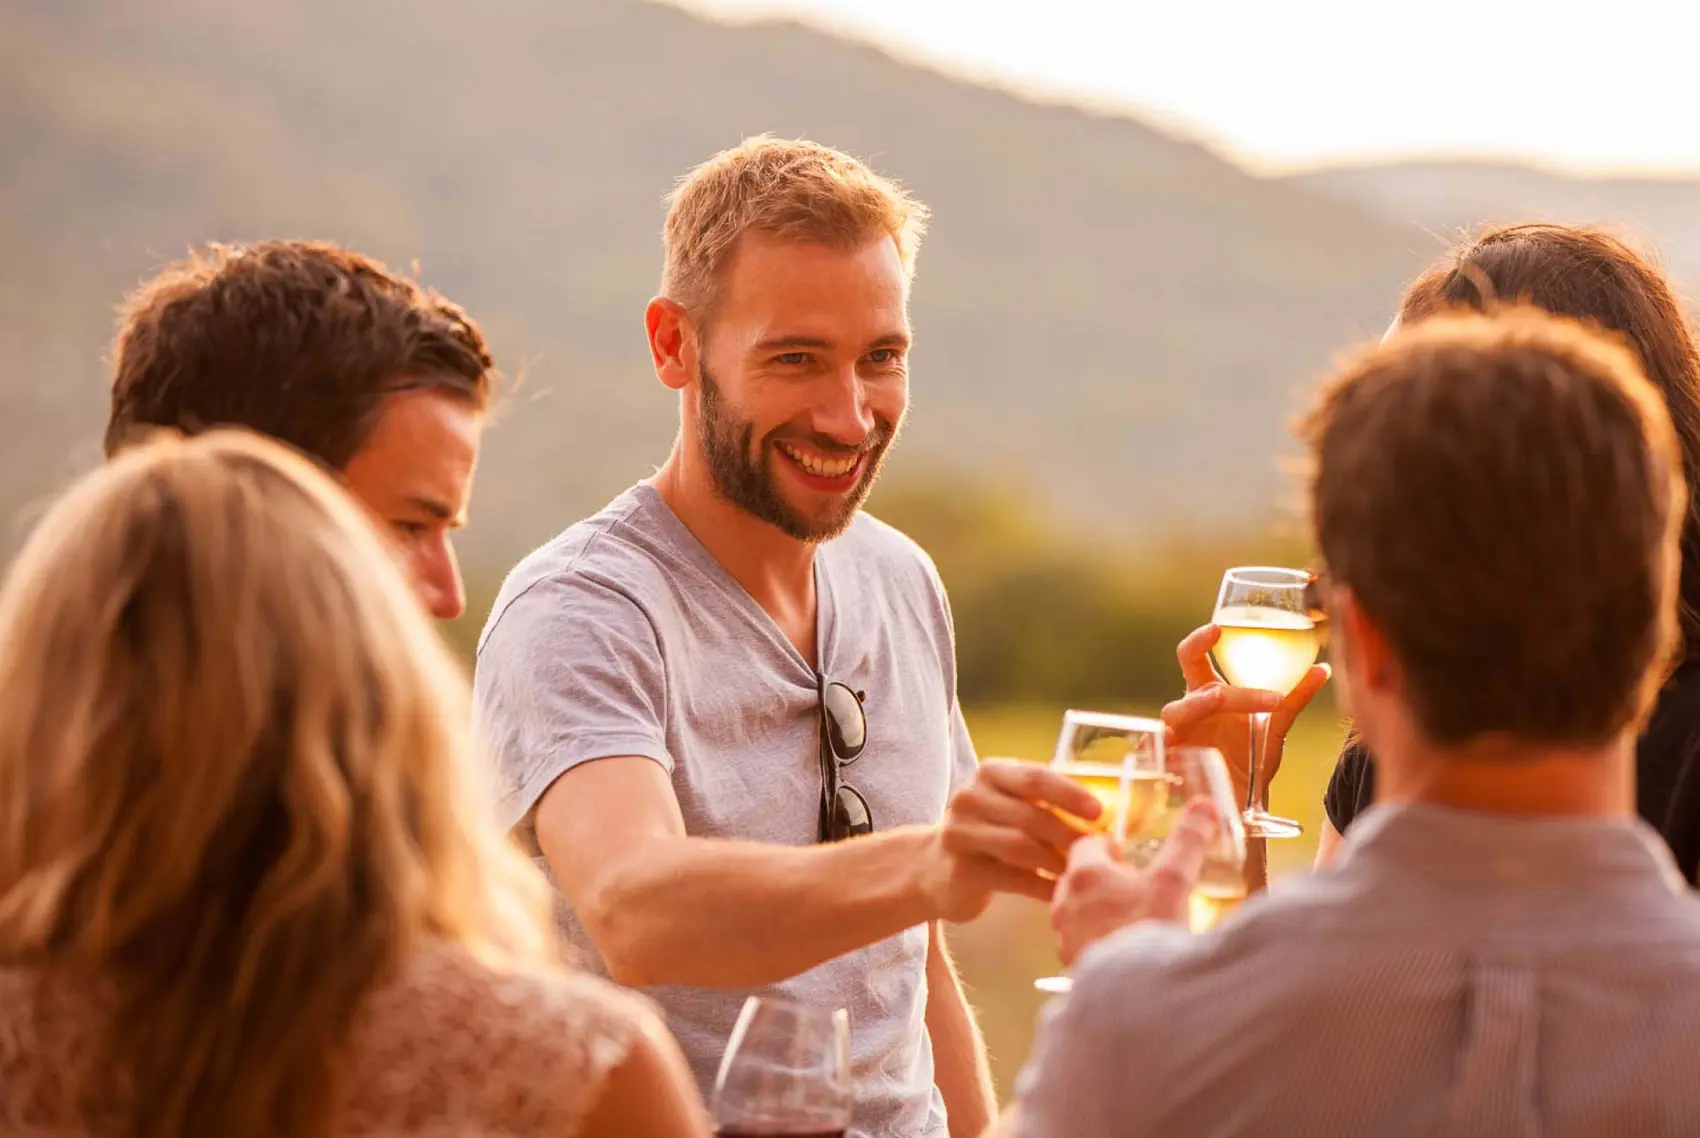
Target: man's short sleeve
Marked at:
570, 671
963, 761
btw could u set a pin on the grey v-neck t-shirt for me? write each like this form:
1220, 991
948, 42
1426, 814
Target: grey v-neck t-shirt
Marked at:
623, 636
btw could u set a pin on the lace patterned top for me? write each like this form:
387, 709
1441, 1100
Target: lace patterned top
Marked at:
449, 1048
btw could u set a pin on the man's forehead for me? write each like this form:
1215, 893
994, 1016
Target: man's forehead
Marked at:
421, 454
816, 293
767, 271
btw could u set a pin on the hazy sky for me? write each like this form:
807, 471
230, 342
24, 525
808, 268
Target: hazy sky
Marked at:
1580, 83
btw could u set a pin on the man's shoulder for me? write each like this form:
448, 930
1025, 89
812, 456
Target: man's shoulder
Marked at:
1153, 952
1134, 1007
612, 555
1186, 966
1137, 994
878, 545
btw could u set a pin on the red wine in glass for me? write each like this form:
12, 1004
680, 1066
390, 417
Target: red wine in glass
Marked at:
786, 1072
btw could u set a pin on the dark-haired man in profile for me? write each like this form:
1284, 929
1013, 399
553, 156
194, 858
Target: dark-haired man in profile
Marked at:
1503, 948
380, 380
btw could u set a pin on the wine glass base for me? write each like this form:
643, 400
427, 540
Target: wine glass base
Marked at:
1262, 824
1055, 985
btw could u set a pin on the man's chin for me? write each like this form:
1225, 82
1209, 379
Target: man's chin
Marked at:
818, 524
824, 520
786, 504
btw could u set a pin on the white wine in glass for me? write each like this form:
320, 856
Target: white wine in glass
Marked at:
1212, 902
1115, 757
1119, 760
1265, 648
1272, 631
1199, 772
1188, 773
1126, 798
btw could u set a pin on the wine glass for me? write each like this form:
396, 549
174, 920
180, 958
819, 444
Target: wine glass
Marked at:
786, 1072
1198, 772
1119, 760
1181, 775
1115, 758
1270, 638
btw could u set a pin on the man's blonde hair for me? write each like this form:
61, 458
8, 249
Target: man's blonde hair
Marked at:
786, 188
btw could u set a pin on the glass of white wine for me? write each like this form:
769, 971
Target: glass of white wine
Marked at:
1189, 773
1119, 759
1272, 631
1160, 781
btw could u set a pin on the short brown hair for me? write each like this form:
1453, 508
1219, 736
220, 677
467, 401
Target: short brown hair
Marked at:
1592, 276
297, 340
1502, 496
786, 188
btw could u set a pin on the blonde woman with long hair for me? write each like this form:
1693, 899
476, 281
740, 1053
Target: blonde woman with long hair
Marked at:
249, 885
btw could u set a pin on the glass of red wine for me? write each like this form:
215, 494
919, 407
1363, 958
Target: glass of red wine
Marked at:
786, 1072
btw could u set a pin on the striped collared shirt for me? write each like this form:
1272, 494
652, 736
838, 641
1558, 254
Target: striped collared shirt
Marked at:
1454, 973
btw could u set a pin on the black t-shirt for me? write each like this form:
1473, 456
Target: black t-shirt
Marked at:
1667, 772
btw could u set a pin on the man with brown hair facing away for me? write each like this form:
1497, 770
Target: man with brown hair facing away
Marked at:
1503, 948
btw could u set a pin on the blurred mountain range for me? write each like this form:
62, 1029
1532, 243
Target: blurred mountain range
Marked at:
1115, 321
1446, 198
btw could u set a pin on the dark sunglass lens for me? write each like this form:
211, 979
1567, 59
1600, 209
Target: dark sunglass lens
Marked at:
853, 818
845, 720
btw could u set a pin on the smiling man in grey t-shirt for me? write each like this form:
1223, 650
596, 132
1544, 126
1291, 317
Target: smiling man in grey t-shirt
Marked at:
725, 709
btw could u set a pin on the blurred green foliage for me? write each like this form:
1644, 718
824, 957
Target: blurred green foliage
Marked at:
1044, 614
1050, 615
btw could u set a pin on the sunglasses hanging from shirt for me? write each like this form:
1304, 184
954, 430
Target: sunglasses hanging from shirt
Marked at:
844, 812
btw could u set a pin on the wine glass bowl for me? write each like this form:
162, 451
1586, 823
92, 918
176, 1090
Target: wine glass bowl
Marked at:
1191, 773
1271, 631
785, 1073
1115, 758
1118, 759
1168, 779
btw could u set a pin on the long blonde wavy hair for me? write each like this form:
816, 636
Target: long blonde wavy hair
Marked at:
236, 781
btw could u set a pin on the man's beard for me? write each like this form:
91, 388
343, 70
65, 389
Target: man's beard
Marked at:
744, 476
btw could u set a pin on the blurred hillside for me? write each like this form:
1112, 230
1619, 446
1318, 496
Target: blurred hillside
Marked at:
1113, 325
1111, 319
1444, 198
1100, 308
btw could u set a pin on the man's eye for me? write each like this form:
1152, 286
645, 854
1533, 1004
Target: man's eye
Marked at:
884, 356
792, 359
411, 530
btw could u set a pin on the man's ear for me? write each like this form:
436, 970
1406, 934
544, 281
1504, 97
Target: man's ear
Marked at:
673, 344
1362, 654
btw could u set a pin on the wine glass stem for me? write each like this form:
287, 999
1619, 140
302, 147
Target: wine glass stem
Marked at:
1259, 736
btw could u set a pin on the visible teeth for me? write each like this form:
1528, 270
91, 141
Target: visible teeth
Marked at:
821, 467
